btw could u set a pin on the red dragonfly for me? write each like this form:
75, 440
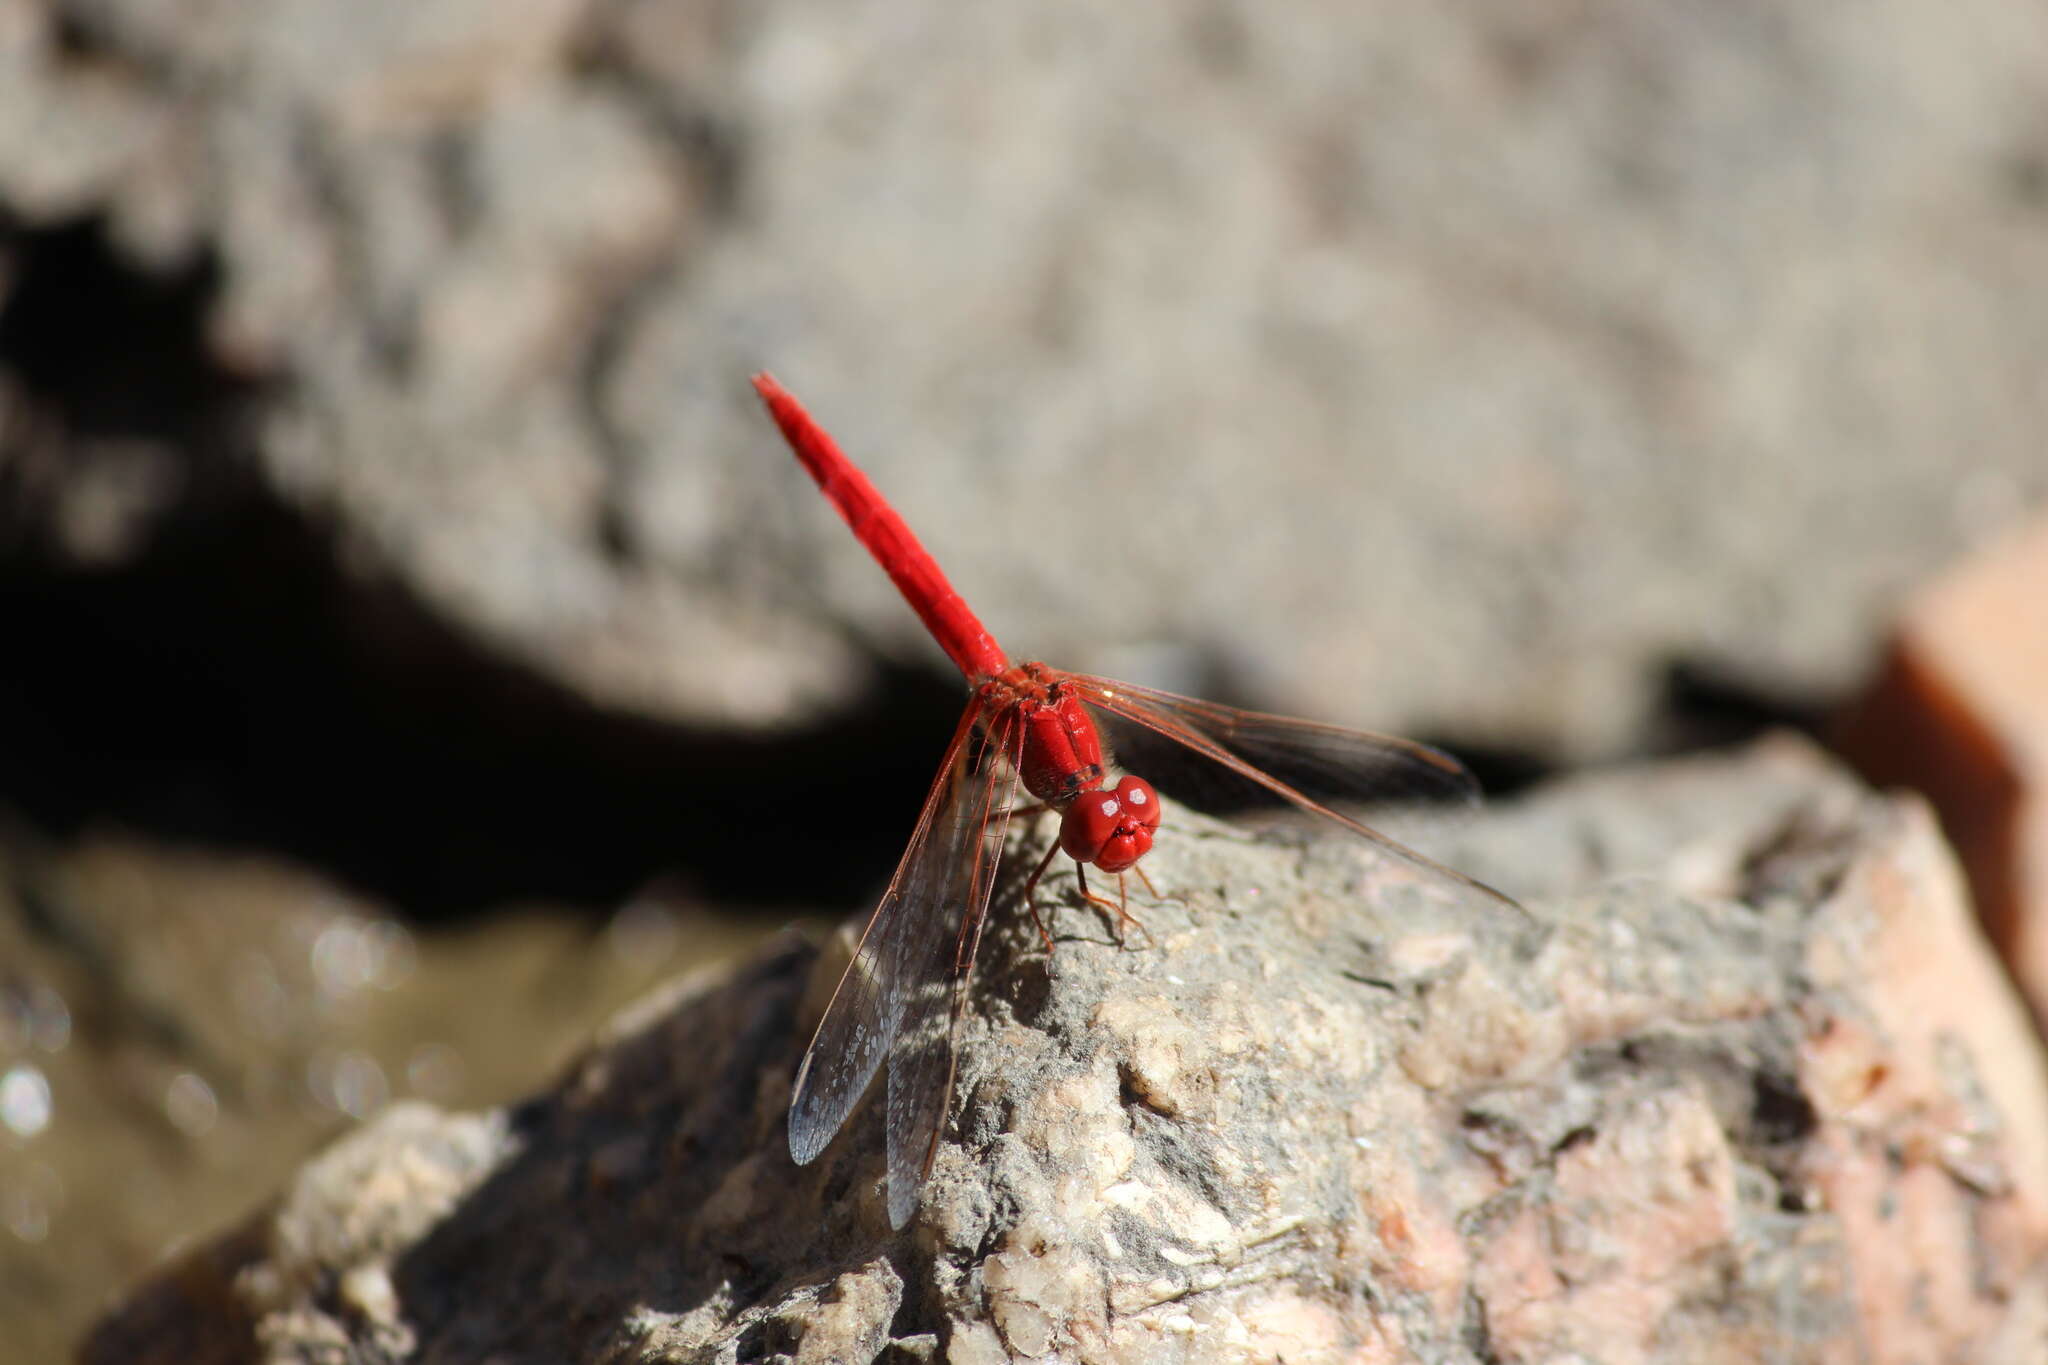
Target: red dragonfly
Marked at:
906, 988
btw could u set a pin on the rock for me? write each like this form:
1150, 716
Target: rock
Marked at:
1960, 712
1749, 1087
180, 1028
1546, 304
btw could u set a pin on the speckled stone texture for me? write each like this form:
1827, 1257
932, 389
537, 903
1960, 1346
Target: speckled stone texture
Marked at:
1748, 1087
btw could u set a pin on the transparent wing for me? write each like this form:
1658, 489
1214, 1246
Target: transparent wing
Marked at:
907, 983
1306, 763
966, 849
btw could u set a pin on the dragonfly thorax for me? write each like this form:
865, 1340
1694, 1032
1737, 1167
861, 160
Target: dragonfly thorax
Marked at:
1060, 763
1061, 753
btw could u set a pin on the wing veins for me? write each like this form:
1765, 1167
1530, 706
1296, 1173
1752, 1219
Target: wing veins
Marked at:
860, 1025
1180, 719
923, 1064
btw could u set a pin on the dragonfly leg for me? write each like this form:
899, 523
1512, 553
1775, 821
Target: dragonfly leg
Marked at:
1124, 920
1031, 896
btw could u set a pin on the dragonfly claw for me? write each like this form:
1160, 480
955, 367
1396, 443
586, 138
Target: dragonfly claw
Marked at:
1123, 920
1117, 911
1038, 922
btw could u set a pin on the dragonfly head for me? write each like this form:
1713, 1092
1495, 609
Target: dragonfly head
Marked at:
1111, 829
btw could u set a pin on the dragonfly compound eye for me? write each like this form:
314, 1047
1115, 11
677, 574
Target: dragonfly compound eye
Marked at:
1111, 829
1141, 803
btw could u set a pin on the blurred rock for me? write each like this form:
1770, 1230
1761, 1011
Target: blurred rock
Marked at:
1495, 360
1749, 1088
179, 1028
1960, 713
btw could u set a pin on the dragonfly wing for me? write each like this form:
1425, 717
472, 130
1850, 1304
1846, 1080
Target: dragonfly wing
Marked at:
900, 995
1311, 765
966, 847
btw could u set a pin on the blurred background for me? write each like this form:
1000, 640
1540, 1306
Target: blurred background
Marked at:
414, 642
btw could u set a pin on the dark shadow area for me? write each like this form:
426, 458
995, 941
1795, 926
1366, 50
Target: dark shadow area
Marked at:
1503, 770
234, 688
109, 349
232, 682
1704, 707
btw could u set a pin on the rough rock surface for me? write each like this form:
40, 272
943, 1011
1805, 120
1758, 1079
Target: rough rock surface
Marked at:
1429, 326
1749, 1087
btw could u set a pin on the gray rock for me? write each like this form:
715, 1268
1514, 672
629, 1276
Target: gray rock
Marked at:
1751, 1090
1451, 371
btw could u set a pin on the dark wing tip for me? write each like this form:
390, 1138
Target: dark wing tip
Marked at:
807, 1136
804, 1147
